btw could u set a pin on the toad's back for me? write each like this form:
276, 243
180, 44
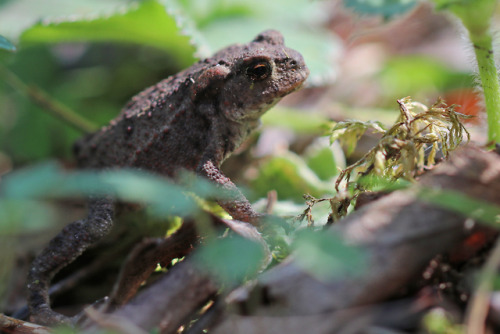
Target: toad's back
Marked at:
202, 113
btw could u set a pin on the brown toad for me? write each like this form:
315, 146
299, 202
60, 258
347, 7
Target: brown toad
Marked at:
192, 121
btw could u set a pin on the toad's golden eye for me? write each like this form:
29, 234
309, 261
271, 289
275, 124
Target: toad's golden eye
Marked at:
258, 70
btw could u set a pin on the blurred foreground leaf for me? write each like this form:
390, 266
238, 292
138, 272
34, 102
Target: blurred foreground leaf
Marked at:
49, 181
23, 216
458, 202
231, 259
325, 255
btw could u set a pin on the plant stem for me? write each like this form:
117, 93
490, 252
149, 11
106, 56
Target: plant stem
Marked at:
483, 48
476, 16
48, 104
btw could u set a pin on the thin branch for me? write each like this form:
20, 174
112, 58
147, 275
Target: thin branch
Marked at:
11, 325
47, 103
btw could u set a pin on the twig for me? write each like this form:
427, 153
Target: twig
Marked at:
272, 198
48, 104
113, 323
399, 234
144, 258
11, 325
170, 300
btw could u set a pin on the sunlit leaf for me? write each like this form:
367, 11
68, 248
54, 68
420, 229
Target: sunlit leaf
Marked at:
18, 15
146, 23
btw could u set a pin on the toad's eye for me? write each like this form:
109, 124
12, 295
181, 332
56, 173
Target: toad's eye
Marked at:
258, 70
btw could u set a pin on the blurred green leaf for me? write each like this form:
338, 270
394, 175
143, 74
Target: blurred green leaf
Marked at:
461, 203
325, 159
146, 23
23, 216
325, 255
230, 259
296, 120
49, 181
386, 8
290, 176
411, 75
6, 45
323, 164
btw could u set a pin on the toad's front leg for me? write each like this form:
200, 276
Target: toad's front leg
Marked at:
234, 202
61, 251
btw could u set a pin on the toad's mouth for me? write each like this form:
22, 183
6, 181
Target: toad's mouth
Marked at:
297, 84
260, 109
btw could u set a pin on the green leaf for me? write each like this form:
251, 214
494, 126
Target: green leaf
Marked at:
325, 159
6, 45
325, 255
387, 8
147, 23
231, 259
24, 216
290, 176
